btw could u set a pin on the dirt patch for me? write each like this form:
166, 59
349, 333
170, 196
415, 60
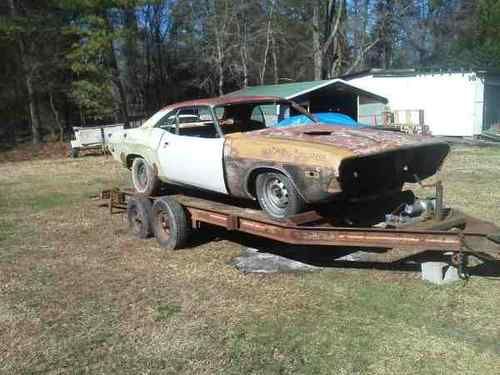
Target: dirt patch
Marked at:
53, 150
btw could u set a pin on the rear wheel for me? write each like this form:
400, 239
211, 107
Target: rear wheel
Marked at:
277, 196
144, 179
139, 216
170, 223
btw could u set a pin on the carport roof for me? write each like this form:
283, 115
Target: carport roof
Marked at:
296, 89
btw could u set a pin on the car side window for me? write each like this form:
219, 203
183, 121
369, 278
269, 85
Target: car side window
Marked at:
219, 112
167, 122
258, 115
196, 122
187, 115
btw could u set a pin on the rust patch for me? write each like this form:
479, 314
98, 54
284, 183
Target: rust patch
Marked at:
285, 150
354, 141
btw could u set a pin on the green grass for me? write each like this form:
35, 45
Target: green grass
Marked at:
364, 326
7, 230
165, 311
78, 294
471, 177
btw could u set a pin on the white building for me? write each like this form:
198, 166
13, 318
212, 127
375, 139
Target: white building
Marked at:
452, 104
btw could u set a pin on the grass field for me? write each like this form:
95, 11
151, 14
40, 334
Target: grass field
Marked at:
78, 294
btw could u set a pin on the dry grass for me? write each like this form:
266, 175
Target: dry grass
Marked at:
79, 294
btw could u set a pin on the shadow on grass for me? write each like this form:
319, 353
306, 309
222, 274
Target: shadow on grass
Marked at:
328, 257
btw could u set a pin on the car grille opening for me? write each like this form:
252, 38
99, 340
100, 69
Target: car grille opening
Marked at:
372, 174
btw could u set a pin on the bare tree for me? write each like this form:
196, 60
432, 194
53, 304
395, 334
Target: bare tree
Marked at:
116, 76
57, 119
274, 50
269, 37
316, 42
220, 16
328, 41
242, 29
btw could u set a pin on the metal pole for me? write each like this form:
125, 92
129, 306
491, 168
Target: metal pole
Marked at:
439, 201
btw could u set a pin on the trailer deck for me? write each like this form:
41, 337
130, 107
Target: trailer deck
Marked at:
455, 232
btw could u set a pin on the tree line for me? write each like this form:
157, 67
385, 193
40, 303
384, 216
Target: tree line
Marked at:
80, 62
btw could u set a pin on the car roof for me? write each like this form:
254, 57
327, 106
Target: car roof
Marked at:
226, 100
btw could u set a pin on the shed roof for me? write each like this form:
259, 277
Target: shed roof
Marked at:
411, 72
296, 89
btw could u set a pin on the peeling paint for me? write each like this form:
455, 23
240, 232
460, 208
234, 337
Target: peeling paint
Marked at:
353, 162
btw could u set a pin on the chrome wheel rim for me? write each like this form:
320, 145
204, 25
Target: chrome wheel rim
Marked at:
276, 194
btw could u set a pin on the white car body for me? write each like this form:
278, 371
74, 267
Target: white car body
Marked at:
201, 165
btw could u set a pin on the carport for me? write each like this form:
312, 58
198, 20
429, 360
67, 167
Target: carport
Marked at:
333, 95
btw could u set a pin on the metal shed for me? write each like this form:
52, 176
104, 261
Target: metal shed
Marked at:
334, 95
450, 103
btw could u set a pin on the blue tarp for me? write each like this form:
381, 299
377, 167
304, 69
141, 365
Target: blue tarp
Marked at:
328, 118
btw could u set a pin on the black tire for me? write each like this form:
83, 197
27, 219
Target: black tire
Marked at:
74, 152
277, 196
170, 223
139, 216
144, 179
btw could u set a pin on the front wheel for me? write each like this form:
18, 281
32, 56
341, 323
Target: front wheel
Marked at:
143, 177
277, 196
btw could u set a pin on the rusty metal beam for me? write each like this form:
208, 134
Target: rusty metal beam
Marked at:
338, 236
437, 237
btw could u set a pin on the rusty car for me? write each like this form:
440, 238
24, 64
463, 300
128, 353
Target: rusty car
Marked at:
227, 145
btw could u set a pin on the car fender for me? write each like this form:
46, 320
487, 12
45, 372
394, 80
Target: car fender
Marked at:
251, 175
310, 178
140, 142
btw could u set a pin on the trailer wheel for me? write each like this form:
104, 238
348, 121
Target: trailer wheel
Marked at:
170, 223
277, 195
143, 177
139, 216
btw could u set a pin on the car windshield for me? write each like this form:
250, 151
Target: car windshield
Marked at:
245, 117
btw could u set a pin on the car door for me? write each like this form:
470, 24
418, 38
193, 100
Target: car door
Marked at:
193, 155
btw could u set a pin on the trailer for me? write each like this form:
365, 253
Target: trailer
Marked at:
172, 218
92, 138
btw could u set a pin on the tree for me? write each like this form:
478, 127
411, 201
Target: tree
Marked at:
385, 32
219, 18
84, 61
23, 34
94, 59
479, 45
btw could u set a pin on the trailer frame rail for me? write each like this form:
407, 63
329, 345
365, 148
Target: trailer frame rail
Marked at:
457, 232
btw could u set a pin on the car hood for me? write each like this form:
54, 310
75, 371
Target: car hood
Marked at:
358, 142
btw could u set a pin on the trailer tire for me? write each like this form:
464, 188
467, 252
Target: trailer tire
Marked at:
144, 179
277, 196
139, 216
170, 223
